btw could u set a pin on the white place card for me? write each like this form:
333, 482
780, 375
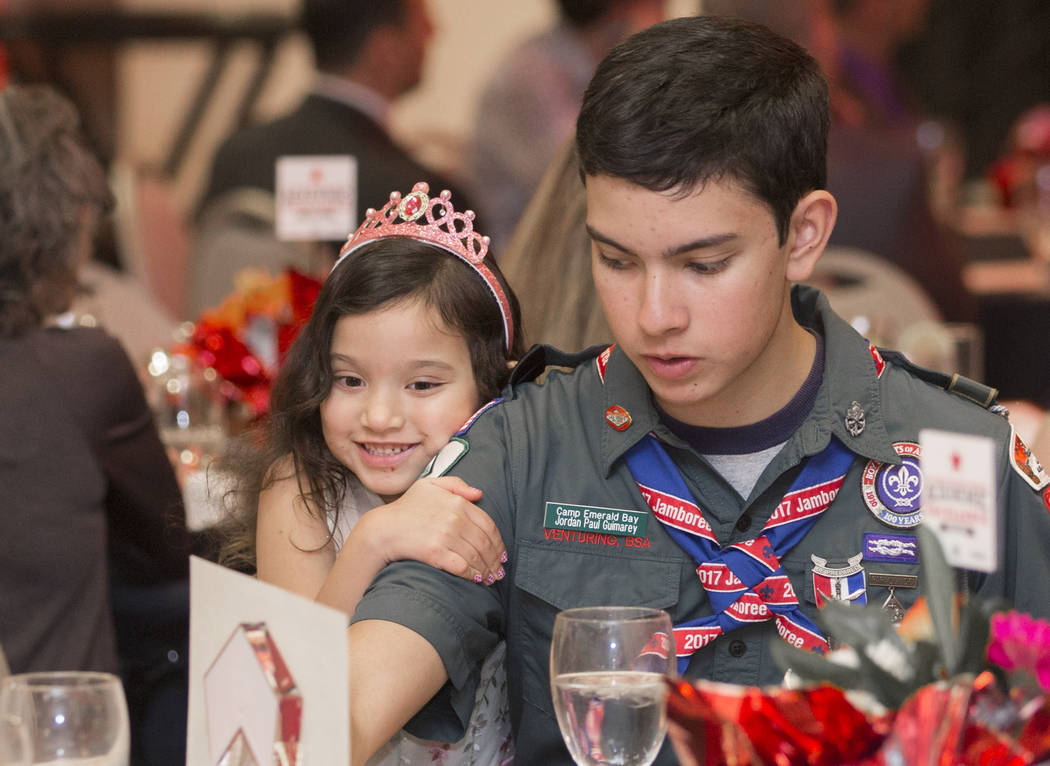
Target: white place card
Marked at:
268, 674
316, 197
958, 497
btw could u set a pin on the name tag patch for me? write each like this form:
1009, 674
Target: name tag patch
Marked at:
586, 518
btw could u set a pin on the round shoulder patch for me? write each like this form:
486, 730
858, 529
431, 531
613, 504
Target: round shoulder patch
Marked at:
891, 492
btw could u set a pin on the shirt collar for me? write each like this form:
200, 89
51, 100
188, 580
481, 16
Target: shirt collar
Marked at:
849, 376
355, 95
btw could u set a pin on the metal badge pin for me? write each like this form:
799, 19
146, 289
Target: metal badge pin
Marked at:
893, 605
893, 581
618, 417
855, 419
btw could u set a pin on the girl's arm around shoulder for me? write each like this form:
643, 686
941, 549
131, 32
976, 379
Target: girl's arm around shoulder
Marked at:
434, 522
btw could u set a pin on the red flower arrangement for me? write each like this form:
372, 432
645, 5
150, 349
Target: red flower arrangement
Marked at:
246, 337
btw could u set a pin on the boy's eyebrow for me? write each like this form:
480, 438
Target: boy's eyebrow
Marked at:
696, 244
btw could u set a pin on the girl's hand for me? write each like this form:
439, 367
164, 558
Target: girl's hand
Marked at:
436, 522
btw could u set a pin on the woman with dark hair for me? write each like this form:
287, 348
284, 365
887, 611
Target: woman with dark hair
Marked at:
90, 501
411, 334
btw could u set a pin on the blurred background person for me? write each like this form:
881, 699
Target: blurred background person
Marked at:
367, 55
548, 261
92, 521
870, 35
528, 109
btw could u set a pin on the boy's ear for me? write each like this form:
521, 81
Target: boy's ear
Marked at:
808, 233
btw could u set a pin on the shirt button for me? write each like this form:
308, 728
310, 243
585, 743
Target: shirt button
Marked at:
743, 523
737, 648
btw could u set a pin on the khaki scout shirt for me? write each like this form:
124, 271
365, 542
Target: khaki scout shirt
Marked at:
551, 443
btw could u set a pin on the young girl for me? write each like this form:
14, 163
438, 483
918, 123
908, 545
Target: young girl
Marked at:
411, 334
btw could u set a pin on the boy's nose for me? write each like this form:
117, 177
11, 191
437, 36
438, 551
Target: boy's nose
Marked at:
659, 311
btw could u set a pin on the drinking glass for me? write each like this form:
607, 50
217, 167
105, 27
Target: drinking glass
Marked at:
607, 680
14, 741
70, 717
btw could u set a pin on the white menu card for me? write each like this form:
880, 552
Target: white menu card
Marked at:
268, 674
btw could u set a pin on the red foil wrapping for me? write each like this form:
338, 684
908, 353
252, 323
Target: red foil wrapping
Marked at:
967, 722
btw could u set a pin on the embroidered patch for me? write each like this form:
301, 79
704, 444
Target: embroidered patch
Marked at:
1026, 463
618, 417
585, 518
839, 583
892, 492
447, 457
899, 549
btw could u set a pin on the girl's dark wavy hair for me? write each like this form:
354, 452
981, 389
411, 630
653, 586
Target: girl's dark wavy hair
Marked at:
48, 174
381, 273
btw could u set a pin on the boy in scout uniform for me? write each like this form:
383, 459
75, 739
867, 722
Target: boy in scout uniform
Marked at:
739, 457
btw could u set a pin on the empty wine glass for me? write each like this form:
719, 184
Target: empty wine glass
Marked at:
607, 680
70, 717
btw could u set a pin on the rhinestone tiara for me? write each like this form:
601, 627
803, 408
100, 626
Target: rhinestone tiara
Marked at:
444, 227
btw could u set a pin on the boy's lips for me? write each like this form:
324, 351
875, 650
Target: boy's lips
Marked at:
672, 367
380, 455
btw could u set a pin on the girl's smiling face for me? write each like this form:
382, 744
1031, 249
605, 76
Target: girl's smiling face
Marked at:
402, 384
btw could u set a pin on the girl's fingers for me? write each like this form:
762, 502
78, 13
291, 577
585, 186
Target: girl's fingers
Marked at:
457, 486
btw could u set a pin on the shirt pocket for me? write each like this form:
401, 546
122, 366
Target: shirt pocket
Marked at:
553, 579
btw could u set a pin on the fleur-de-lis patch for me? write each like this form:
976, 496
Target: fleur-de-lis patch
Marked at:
902, 483
892, 492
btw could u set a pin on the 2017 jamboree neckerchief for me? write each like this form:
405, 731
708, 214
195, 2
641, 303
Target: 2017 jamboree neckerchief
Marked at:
744, 581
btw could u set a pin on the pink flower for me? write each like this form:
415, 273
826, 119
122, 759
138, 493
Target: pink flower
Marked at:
1021, 642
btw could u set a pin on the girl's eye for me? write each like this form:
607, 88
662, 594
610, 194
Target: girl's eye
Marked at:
349, 381
423, 385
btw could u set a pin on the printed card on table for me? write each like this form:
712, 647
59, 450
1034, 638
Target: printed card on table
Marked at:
958, 497
268, 674
316, 197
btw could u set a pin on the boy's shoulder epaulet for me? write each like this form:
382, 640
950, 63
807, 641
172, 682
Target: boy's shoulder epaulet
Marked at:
957, 384
540, 357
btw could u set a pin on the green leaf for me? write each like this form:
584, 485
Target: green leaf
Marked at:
812, 667
974, 629
939, 586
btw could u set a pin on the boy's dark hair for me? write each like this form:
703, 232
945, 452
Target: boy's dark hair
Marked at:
381, 273
706, 98
338, 29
